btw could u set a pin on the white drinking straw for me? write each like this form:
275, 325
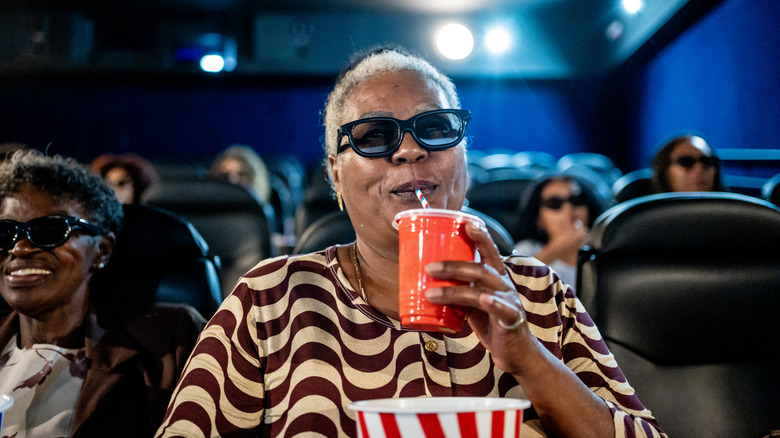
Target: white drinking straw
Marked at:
422, 199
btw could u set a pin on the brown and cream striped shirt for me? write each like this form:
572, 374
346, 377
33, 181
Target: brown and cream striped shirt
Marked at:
294, 344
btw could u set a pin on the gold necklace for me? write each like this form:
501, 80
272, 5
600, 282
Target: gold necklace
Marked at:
356, 264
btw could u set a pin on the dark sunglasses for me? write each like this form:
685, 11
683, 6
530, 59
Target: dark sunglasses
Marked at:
43, 232
556, 202
381, 136
688, 161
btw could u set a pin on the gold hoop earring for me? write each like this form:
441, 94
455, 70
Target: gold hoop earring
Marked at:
341, 202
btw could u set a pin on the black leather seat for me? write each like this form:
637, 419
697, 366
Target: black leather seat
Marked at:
599, 163
521, 165
288, 177
541, 162
684, 288
633, 185
236, 226
318, 201
161, 258
335, 228
771, 190
499, 199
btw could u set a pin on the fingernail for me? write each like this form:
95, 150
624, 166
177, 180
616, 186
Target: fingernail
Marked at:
434, 267
434, 293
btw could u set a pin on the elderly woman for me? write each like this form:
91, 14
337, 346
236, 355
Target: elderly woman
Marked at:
687, 164
71, 370
302, 336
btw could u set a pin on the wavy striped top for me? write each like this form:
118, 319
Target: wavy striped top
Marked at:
294, 344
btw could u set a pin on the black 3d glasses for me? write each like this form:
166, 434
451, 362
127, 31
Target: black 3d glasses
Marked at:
688, 161
43, 232
556, 202
381, 136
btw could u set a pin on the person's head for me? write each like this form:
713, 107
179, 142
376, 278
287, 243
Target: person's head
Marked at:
686, 164
553, 200
374, 165
128, 174
241, 165
58, 224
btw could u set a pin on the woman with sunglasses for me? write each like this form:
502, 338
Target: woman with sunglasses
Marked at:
556, 212
687, 164
72, 369
302, 336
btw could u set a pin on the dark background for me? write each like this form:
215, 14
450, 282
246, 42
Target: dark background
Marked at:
713, 70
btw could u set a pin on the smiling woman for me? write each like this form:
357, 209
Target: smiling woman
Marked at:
71, 368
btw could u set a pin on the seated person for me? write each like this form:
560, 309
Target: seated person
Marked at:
556, 212
71, 369
129, 175
243, 166
302, 336
687, 164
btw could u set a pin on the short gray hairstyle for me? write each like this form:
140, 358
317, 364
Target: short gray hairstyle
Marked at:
375, 62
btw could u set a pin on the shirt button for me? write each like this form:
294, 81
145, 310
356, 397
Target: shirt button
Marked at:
431, 346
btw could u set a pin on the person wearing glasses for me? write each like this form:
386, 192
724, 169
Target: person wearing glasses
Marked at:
302, 336
687, 164
556, 212
71, 368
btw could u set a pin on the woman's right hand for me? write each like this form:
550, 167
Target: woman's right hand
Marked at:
565, 240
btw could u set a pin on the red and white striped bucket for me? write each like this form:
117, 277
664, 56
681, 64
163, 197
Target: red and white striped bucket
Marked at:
440, 417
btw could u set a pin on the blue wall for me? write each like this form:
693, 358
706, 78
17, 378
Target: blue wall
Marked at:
194, 120
165, 120
720, 78
553, 116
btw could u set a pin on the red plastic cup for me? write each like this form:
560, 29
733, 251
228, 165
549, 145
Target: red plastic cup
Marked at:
440, 417
425, 236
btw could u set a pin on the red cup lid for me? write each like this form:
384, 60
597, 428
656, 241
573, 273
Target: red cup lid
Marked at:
439, 212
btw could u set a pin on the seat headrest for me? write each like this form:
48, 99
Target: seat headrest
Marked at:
157, 235
633, 185
151, 242
331, 229
687, 278
202, 195
683, 222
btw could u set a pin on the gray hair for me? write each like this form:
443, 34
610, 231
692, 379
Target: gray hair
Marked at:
376, 62
66, 180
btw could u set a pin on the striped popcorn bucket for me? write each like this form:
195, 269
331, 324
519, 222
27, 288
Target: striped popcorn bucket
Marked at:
440, 417
5, 403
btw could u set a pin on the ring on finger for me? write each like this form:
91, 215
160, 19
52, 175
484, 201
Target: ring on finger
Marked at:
514, 325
